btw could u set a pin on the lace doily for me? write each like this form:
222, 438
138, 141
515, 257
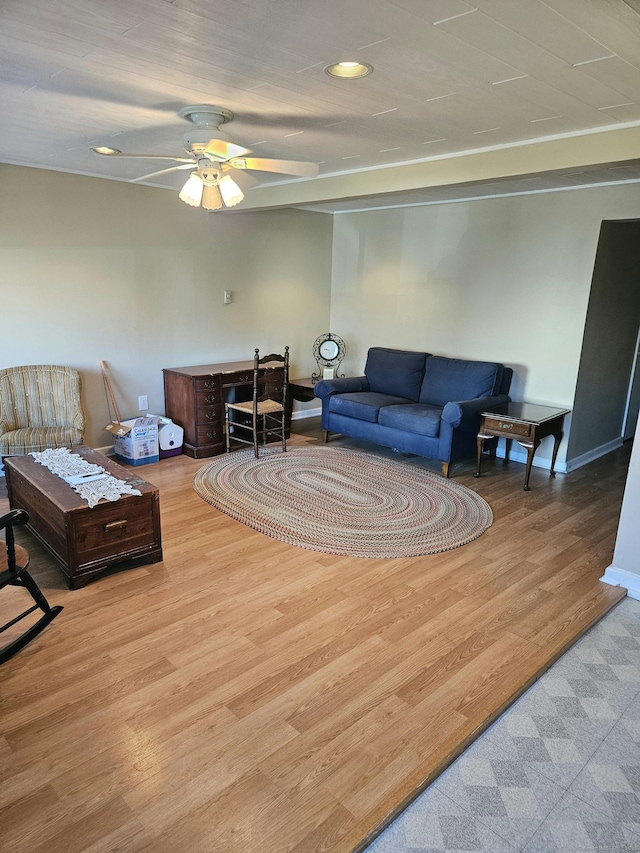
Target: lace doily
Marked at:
90, 481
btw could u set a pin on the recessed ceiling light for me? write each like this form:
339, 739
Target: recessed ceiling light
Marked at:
104, 150
348, 70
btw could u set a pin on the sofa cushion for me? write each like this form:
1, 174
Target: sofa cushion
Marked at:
363, 405
415, 417
453, 379
394, 371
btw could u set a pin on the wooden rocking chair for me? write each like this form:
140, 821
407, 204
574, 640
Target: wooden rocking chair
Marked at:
13, 572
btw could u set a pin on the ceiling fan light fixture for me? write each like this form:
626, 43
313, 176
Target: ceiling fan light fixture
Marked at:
230, 191
103, 149
349, 70
211, 197
192, 191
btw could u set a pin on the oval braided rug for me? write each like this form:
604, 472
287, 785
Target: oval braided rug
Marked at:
344, 501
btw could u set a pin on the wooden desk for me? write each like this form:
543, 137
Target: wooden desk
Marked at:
526, 423
194, 398
86, 540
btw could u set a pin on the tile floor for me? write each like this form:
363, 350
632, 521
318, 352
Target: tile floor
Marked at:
558, 772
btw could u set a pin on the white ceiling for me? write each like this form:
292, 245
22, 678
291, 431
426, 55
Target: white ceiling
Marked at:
450, 76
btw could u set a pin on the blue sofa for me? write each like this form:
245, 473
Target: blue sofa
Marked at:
415, 402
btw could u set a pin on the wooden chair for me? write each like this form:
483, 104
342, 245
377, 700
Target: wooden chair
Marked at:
39, 408
263, 416
13, 572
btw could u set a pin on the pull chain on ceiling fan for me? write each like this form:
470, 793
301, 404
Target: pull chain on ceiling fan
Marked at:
218, 162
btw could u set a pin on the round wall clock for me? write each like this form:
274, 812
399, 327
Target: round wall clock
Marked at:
328, 351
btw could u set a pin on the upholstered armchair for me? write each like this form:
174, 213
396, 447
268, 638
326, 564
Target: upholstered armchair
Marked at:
39, 408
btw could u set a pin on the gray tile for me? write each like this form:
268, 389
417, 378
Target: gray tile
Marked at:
624, 737
576, 826
557, 747
613, 684
618, 632
435, 824
586, 687
507, 796
614, 656
610, 783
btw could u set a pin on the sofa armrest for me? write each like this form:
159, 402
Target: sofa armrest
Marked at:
346, 385
465, 413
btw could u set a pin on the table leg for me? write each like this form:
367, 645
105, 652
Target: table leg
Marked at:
480, 442
557, 438
507, 450
288, 411
531, 449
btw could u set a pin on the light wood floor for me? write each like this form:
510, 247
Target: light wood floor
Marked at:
246, 695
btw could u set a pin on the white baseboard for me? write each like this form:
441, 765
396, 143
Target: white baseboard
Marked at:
306, 413
621, 577
594, 454
519, 454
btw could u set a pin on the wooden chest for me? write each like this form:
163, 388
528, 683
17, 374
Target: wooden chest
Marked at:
86, 540
194, 398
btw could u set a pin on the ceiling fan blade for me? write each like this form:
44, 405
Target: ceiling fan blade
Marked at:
284, 167
218, 149
113, 152
164, 172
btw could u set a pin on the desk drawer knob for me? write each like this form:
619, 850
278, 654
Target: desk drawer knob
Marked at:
114, 525
502, 425
209, 384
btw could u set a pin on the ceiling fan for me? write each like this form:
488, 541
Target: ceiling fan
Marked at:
216, 160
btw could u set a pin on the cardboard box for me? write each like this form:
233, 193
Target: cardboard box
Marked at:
140, 446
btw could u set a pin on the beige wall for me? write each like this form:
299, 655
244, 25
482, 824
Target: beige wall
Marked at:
95, 270
503, 279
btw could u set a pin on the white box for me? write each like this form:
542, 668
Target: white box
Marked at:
140, 445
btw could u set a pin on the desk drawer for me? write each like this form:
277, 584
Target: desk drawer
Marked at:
242, 378
208, 397
209, 416
208, 386
206, 435
498, 426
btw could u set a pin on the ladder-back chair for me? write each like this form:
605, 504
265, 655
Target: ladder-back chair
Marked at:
257, 420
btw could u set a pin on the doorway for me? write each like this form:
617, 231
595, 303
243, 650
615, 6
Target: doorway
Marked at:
608, 384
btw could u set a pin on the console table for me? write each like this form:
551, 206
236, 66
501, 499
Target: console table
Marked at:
194, 398
526, 423
301, 390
